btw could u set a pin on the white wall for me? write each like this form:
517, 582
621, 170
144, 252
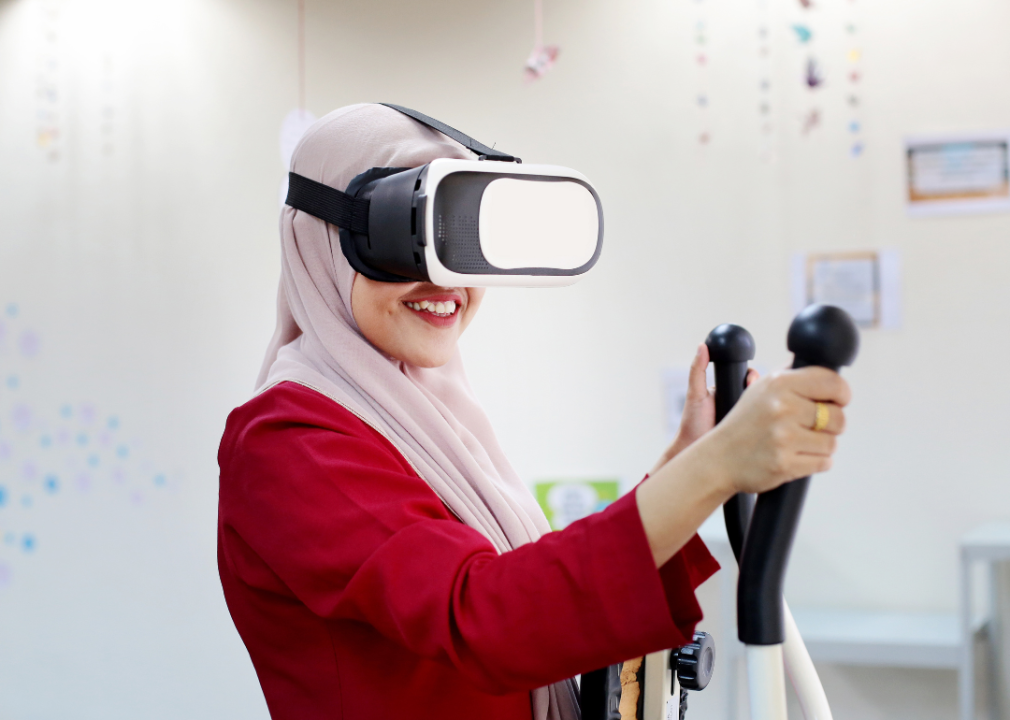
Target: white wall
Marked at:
150, 273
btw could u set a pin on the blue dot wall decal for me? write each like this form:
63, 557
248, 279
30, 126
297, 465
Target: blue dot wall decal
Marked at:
56, 454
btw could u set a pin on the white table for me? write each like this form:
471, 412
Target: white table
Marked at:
989, 544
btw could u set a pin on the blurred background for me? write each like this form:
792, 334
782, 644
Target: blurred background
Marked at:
752, 156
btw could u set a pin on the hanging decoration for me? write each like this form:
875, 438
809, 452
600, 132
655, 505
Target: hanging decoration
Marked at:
855, 76
803, 33
813, 73
49, 133
766, 153
814, 76
702, 75
542, 57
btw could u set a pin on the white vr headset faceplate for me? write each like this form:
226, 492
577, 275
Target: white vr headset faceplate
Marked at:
515, 219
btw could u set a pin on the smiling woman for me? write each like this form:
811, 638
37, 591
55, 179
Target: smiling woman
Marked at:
380, 556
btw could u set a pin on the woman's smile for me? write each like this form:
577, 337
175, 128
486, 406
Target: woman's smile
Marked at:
417, 323
439, 309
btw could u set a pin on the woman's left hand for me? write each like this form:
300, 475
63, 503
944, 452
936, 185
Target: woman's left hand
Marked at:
699, 407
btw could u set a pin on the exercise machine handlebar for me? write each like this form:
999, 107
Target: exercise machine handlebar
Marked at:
821, 335
730, 347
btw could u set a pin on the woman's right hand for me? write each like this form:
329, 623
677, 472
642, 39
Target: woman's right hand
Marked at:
768, 437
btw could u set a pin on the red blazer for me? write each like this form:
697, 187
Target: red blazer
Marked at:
361, 597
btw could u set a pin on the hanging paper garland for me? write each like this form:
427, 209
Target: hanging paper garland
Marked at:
49, 133
701, 64
766, 153
813, 76
855, 77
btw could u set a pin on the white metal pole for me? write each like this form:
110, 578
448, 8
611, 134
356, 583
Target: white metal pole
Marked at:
767, 682
802, 673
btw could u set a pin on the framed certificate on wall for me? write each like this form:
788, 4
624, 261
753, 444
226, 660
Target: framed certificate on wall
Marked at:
958, 174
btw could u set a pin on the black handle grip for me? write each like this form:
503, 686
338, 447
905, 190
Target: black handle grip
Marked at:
729, 348
821, 335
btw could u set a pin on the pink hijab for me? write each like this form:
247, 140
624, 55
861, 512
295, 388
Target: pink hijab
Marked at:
430, 415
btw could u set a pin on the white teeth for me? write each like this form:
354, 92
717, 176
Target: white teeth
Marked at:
435, 308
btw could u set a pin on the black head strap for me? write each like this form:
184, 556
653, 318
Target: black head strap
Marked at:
329, 204
466, 141
351, 213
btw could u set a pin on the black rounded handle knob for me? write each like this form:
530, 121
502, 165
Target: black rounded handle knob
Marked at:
730, 347
730, 343
696, 662
823, 335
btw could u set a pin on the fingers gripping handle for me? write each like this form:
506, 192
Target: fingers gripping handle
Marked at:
820, 335
730, 347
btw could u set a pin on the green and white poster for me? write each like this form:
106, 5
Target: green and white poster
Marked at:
565, 501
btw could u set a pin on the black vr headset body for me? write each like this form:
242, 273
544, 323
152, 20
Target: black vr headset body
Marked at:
462, 223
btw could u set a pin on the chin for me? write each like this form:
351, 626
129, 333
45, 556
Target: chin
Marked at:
431, 362
431, 358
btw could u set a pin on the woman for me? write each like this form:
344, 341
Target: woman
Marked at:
379, 555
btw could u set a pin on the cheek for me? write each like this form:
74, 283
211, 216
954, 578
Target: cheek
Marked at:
475, 297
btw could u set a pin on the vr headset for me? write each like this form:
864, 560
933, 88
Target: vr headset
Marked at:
462, 223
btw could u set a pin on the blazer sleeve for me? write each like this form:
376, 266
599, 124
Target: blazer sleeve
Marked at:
352, 533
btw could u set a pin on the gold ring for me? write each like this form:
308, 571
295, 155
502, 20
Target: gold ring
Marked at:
822, 417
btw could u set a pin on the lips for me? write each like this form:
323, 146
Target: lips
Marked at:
437, 310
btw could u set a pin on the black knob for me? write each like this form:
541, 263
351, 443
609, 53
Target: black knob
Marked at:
730, 343
695, 662
823, 335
